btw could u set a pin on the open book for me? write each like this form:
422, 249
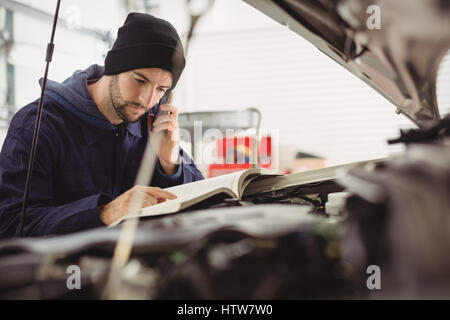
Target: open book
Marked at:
235, 185
230, 185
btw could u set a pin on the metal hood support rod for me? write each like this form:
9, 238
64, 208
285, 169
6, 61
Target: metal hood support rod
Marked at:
48, 59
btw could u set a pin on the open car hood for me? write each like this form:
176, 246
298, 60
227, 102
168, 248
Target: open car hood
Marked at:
400, 60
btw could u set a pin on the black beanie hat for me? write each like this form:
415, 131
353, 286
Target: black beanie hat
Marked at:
145, 41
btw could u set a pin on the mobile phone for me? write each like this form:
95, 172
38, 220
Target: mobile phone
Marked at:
163, 100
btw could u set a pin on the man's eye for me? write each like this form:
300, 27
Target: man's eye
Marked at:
162, 90
139, 80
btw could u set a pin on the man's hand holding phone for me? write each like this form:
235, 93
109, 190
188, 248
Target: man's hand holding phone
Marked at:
164, 135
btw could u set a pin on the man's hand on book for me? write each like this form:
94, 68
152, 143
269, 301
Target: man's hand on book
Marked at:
164, 135
146, 196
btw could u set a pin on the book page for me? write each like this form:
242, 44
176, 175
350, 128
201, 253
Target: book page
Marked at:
251, 175
197, 188
264, 184
193, 192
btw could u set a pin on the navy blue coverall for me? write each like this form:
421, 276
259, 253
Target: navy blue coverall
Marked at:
82, 161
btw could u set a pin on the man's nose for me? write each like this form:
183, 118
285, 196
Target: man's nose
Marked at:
147, 96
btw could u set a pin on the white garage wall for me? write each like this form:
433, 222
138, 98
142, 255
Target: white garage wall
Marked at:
318, 106
74, 50
237, 59
443, 86
245, 59
3, 86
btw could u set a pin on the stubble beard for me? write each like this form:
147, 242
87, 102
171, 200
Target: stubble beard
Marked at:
118, 103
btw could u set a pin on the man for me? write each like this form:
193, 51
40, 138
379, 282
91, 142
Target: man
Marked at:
93, 133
